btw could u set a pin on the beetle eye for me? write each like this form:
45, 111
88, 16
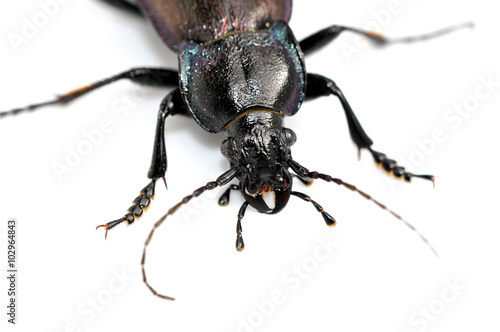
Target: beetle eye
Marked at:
290, 137
228, 147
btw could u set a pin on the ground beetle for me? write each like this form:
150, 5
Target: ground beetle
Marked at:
241, 71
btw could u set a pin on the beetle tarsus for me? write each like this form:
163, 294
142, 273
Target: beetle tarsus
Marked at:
391, 166
430, 35
322, 86
139, 205
323, 37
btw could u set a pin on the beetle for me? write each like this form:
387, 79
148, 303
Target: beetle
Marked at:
241, 71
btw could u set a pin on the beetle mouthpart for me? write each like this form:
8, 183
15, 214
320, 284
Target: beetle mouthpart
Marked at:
257, 202
255, 199
269, 197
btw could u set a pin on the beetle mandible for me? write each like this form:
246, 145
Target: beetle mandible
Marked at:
241, 71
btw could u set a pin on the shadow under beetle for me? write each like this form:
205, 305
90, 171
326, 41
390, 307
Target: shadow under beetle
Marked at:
241, 71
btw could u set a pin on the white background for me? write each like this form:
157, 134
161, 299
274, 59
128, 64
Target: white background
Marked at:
380, 276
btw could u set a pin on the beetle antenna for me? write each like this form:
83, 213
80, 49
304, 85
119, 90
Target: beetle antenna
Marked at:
221, 180
304, 172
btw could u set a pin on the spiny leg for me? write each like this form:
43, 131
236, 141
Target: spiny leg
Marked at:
172, 104
302, 171
240, 245
224, 198
139, 205
221, 180
329, 220
156, 77
391, 166
318, 86
321, 38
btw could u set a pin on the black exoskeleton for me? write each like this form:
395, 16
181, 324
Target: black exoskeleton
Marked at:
241, 72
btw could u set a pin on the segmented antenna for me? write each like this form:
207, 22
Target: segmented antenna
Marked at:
221, 180
304, 172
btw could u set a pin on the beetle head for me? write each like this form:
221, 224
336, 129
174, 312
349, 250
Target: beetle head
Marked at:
259, 145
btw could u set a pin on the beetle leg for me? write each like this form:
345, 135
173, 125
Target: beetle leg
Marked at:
318, 86
139, 205
124, 5
321, 38
172, 104
156, 77
329, 220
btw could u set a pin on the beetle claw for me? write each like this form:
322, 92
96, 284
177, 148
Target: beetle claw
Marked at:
106, 227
